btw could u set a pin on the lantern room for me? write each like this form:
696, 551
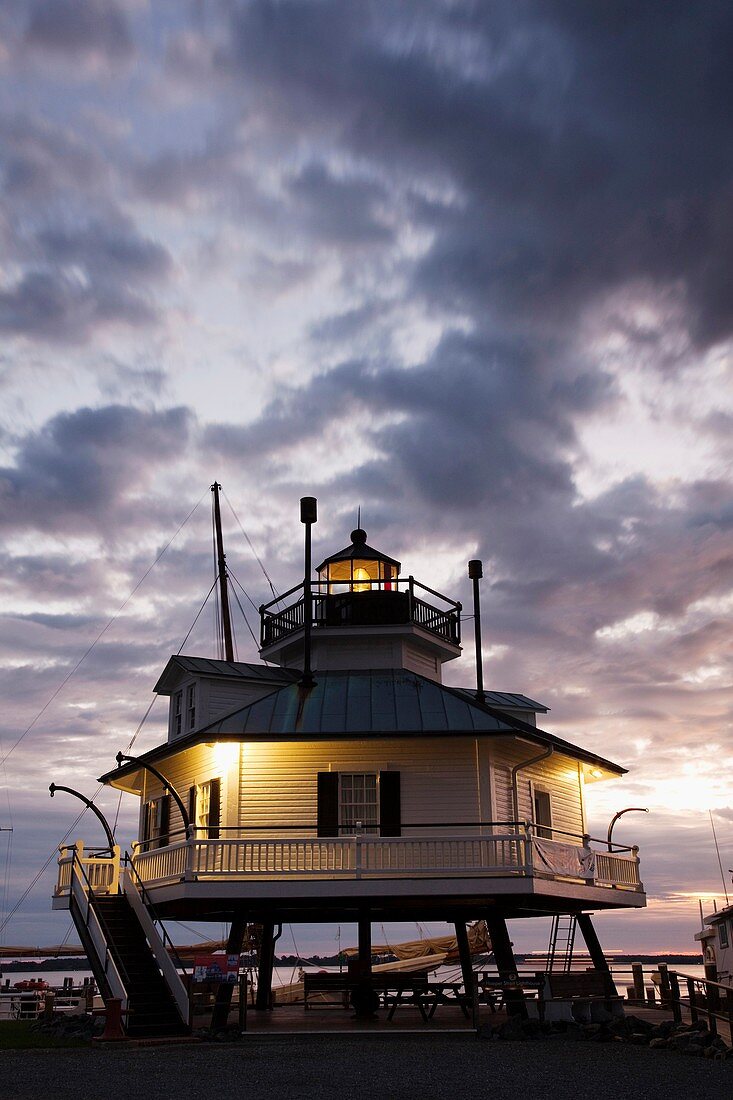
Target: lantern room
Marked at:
361, 613
358, 568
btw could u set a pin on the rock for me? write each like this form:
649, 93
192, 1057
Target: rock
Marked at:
512, 1029
638, 1039
694, 1049
663, 1030
532, 1028
659, 1043
635, 1024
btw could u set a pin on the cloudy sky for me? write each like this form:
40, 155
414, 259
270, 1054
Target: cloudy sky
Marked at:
465, 265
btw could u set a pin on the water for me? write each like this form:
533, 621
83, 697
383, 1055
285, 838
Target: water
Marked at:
286, 975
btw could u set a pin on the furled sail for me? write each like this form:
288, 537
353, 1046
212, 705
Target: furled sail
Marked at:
479, 943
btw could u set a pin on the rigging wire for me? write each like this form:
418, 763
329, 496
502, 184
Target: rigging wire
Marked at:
6, 880
251, 546
47, 864
155, 698
8, 863
102, 632
244, 590
244, 615
133, 739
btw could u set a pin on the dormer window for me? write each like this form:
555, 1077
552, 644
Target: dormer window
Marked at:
177, 713
191, 706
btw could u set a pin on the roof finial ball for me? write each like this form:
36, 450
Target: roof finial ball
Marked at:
359, 536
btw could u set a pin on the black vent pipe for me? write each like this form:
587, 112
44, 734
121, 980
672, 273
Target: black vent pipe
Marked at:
308, 516
476, 572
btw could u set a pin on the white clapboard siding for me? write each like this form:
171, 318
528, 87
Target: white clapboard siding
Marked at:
557, 774
195, 766
437, 778
215, 698
225, 696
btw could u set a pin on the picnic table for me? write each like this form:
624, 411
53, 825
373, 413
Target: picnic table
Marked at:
448, 993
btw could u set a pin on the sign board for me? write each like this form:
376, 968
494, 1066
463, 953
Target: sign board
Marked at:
215, 968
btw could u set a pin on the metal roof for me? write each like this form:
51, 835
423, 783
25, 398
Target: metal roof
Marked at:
366, 704
511, 699
377, 701
206, 666
358, 549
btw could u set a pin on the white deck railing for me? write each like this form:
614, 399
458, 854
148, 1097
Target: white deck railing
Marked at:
520, 853
372, 857
101, 868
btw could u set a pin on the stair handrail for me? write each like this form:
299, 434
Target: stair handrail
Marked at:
179, 990
157, 920
77, 867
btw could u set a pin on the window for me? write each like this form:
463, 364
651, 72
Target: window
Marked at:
357, 802
156, 820
208, 808
723, 934
177, 715
343, 799
542, 813
191, 706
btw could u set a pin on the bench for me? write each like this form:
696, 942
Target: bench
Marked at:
582, 996
393, 990
400, 990
327, 983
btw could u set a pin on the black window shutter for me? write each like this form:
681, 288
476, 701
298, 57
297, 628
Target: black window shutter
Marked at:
146, 826
328, 804
192, 805
214, 808
165, 820
390, 813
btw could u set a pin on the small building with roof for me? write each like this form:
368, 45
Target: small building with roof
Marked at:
340, 779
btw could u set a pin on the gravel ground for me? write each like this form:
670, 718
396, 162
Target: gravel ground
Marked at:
428, 1068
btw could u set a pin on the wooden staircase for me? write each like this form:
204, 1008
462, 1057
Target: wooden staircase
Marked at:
152, 1011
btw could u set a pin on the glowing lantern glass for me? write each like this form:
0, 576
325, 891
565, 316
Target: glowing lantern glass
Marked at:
358, 568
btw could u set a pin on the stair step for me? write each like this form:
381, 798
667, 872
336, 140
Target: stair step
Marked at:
153, 1010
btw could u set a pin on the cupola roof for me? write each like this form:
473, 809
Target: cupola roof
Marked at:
359, 549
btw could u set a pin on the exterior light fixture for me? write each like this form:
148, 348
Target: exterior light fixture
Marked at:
628, 810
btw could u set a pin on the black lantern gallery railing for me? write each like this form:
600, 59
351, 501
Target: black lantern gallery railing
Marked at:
383, 604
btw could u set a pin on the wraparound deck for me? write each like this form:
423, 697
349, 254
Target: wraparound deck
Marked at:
495, 858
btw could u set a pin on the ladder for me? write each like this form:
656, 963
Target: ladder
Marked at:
562, 940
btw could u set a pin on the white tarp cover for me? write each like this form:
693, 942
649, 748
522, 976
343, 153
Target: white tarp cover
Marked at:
563, 859
479, 943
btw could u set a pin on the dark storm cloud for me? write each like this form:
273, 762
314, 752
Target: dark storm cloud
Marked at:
106, 248
338, 210
39, 159
76, 472
57, 307
82, 261
79, 30
587, 148
494, 387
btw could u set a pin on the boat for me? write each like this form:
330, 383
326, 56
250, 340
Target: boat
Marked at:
716, 943
411, 958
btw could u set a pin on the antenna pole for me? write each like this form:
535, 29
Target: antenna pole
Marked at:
308, 516
717, 849
226, 618
476, 572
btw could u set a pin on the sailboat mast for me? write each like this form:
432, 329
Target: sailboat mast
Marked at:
226, 619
